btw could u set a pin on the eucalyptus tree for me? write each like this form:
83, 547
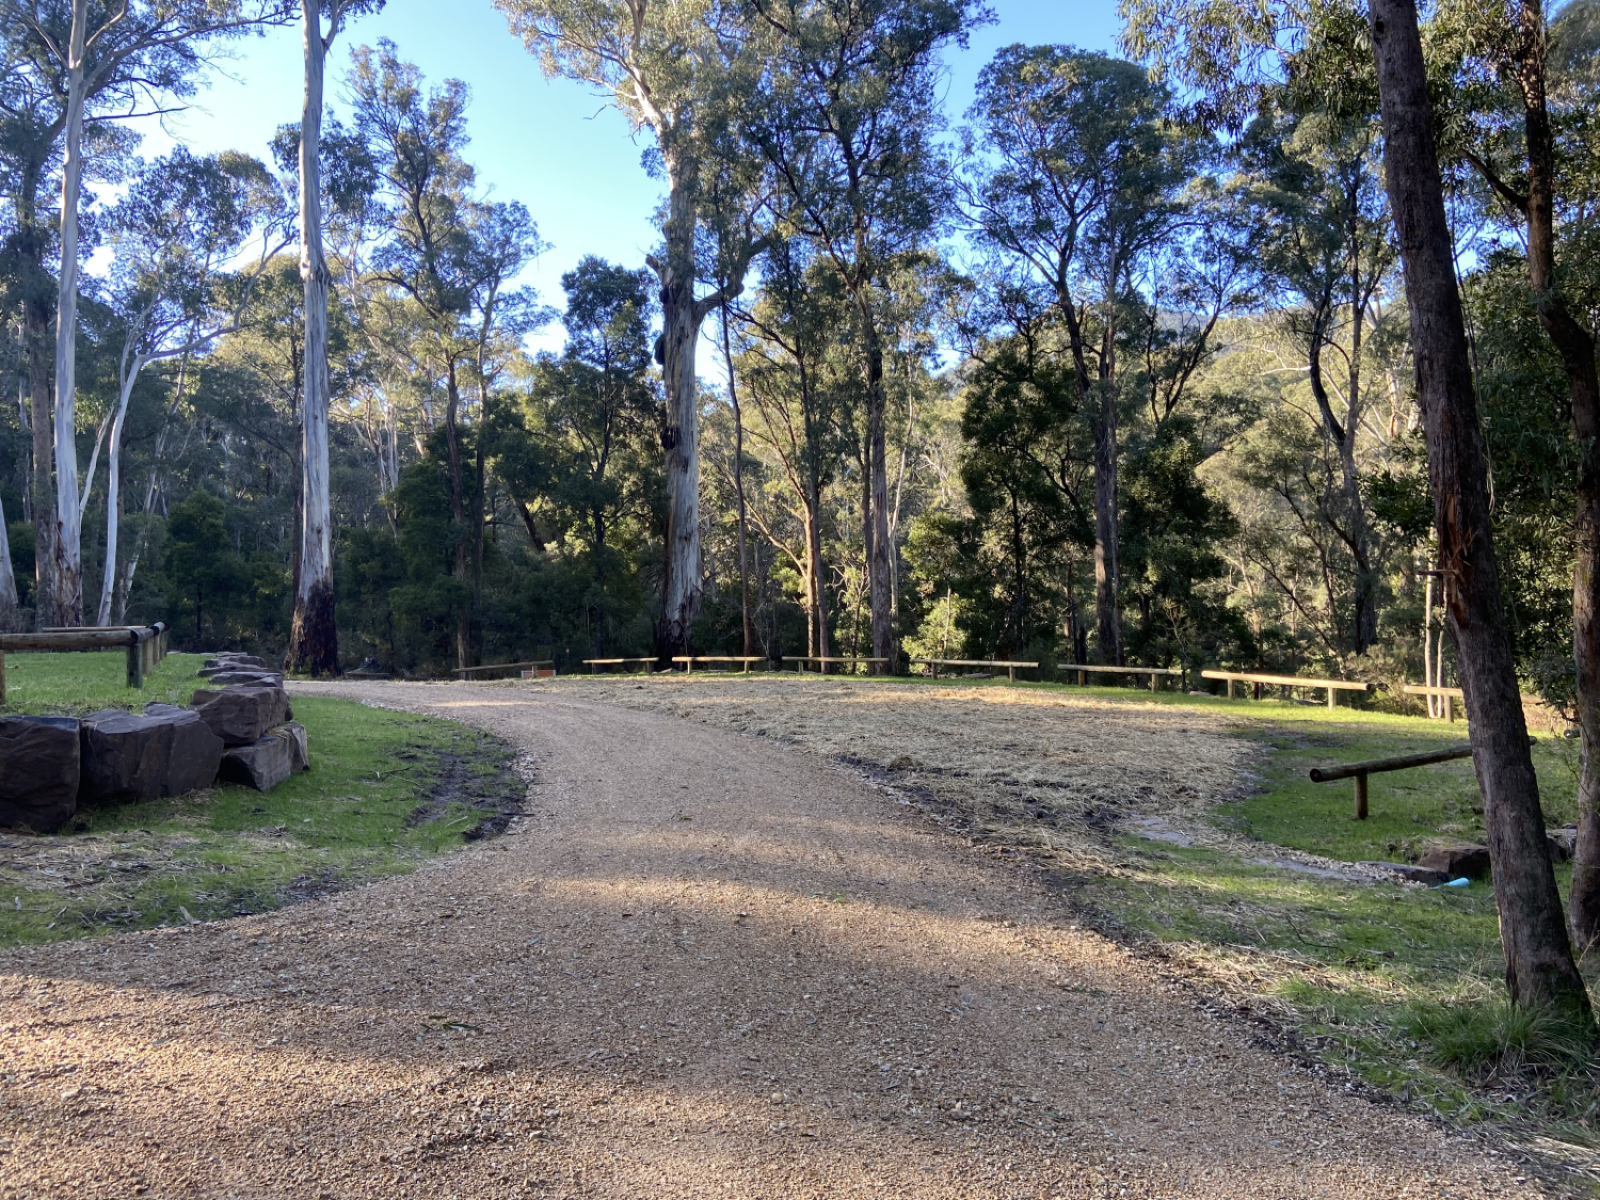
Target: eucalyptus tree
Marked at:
847, 122
314, 635
1310, 187
448, 254
792, 356
175, 236
1229, 54
1075, 175
598, 405
676, 68
96, 55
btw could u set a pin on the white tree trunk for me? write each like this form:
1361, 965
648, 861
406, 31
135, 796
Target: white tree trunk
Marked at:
313, 642
8, 580
108, 577
68, 565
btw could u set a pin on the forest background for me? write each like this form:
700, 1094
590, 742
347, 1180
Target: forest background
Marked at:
1045, 363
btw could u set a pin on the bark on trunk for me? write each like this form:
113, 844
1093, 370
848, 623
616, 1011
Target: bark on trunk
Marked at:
44, 502
1539, 966
8, 580
65, 544
108, 575
1576, 346
314, 637
879, 547
738, 485
458, 513
1107, 577
681, 315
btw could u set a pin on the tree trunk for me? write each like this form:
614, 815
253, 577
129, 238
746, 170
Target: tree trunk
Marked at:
879, 547
680, 437
1576, 346
314, 637
1107, 578
8, 580
1539, 965
458, 512
114, 497
738, 484
37, 318
68, 566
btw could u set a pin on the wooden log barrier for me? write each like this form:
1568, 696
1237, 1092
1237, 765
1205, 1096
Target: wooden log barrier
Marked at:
1374, 766
1334, 686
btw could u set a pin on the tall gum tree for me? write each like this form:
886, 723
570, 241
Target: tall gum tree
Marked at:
662, 62
313, 635
1074, 178
846, 123
108, 49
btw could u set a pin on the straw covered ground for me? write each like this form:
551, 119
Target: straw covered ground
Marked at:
1014, 767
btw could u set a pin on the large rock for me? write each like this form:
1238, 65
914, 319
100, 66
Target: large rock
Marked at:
241, 715
39, 772
302, 746
196, 751
1458, 861
267, 762
124, 756
234, 658
228, 676
165, 751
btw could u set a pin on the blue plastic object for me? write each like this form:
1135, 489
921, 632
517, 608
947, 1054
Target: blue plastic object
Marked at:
1463, 882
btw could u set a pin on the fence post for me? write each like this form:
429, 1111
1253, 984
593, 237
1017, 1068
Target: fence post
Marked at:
1333, 697
135, 662
1361, 796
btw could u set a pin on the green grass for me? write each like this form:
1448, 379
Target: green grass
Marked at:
75, 683
385, 791
1400, 986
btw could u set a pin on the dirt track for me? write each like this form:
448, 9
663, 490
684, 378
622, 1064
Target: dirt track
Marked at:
705, 966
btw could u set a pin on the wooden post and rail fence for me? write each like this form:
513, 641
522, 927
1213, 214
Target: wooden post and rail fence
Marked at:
1374, 766
146, 646
1010, 666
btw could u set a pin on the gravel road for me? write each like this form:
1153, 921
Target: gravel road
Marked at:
703, 966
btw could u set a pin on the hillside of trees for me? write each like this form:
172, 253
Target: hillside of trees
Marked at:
1112, 367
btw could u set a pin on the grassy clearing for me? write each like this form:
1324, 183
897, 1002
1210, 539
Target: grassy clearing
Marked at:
72, 684
385, 791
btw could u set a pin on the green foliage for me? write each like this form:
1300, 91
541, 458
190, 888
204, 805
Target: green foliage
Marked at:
209, 578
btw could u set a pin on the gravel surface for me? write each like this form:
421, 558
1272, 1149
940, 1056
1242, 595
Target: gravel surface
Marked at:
704, 966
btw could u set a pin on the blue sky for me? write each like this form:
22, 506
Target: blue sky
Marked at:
551, 144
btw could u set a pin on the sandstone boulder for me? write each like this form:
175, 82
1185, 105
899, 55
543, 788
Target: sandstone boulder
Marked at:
1456, 861
39, 772
268, 761
124, 756
228, 676
241, 715
196, 751
234, 658
165, 751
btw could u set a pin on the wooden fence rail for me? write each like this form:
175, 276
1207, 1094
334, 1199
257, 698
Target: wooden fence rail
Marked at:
995, 664
1450, 694
469, 672
1086, 669
1333, 686
1373, 766
146, 645
594, 664
689, 660
822, 660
